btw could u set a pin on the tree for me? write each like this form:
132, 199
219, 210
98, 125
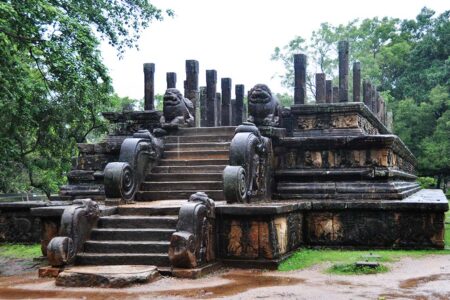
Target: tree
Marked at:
53, 83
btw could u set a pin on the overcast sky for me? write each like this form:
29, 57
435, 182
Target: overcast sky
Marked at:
237, 37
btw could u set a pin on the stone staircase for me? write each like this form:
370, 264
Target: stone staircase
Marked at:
139, 233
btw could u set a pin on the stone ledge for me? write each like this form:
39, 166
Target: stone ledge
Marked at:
423, 200
56, 211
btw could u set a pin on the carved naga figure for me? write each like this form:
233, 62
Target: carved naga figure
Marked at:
263, 107
193, 243
248, 176
77, 222
177, 109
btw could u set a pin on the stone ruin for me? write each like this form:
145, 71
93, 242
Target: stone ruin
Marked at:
195, 187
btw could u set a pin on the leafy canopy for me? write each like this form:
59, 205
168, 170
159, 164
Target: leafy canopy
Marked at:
53, 83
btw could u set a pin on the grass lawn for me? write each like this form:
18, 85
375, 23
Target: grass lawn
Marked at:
344, 259
20, 250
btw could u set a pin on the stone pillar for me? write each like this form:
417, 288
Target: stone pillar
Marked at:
203, 122
357, 82
378, 104
300, 79
381, 113
239, 90
335, 98
343, 71
218, 105
233, 112
329, 91
373, 98
366, 93
149, 86
320, 88
226, 101
211, 87
171, 79
191, 87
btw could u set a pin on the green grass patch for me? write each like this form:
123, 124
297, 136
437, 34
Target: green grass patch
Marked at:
352, 269
305, 257
20, 250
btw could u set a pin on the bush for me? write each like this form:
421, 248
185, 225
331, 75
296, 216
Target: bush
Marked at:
427, 182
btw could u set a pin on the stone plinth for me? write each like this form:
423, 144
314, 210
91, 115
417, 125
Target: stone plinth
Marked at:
341, 151
262, 235
107, 276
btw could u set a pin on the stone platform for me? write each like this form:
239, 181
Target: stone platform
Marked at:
107, 276
263, 234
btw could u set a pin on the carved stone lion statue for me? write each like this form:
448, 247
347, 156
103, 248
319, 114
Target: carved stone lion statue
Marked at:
263, 107
177, 109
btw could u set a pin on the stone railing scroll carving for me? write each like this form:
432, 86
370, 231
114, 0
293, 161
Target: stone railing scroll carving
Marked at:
193, 244
248, 177
137, 155
77, 222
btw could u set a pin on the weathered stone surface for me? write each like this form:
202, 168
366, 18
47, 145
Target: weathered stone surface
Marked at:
343, 51
300, 78
263, 106
107, 276
177, 109
254, 237
193, 244
149, 86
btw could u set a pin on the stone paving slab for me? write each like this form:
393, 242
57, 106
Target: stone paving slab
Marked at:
107, 276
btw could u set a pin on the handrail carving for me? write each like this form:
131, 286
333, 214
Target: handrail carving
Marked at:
193, 244
137, 155
248, 177
77, 222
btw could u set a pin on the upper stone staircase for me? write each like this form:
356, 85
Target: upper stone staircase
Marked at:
139, 233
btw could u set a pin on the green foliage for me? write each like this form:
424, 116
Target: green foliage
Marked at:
426, 182
409, 62
20, 251
285, 99
53, 83
352, 269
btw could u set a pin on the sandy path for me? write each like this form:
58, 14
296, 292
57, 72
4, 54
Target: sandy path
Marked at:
421, 278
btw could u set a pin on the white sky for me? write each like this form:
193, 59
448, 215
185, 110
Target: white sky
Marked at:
237, 37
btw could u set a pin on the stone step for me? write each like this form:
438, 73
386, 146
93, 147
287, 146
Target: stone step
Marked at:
157, 259
182, 185
174, 177
118, 221
214, 131
126, 246
189, 169
196, 146
132, 234
197, 154
192, 162
133, 210
216, 195
199, 138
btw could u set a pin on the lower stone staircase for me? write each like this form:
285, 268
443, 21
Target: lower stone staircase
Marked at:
139, 233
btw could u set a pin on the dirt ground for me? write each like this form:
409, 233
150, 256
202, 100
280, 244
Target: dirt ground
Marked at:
420, 278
